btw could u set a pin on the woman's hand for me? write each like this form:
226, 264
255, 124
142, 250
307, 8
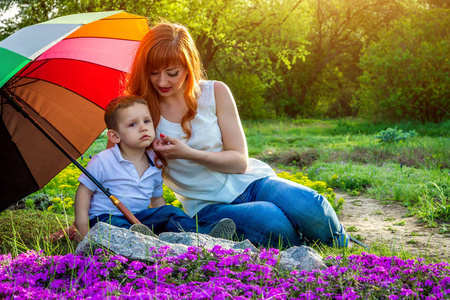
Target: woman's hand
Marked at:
171, 148
232, 158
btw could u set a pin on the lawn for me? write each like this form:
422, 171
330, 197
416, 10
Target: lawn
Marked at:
408, 163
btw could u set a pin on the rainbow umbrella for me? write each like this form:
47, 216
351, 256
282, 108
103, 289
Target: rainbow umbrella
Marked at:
56, 78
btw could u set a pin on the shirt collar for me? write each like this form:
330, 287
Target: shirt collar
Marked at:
118, 155
116, 151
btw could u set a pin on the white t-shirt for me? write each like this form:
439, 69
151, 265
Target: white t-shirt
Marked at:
194, 185
122, 180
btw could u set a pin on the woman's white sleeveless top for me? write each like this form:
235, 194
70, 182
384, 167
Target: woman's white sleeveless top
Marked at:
194, 185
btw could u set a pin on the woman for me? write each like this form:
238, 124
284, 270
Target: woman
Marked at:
206, 152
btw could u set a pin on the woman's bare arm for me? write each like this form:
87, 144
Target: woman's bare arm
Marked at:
233, 158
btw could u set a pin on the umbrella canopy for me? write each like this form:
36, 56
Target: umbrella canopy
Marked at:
63, 73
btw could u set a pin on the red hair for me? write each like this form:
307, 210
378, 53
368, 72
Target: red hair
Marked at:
166, 45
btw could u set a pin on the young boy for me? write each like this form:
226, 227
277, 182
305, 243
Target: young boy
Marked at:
129, 172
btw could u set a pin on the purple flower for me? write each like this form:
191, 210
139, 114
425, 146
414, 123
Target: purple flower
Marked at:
217, 274
211, 266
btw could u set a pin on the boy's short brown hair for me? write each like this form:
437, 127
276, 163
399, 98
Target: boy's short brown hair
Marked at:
118, 103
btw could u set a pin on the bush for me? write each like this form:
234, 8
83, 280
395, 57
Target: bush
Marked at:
170, 197
406, 73
319, 186
394, 135
249, 91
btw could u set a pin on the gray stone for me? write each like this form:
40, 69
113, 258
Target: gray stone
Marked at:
130, 244
135, 246
301, 258
203, 240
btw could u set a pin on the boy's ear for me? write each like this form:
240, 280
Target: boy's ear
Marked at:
113, 136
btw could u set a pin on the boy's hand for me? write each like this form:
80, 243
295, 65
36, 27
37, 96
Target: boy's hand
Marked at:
70, 232
77, 237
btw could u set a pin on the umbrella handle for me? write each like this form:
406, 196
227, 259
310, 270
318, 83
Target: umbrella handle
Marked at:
126, 212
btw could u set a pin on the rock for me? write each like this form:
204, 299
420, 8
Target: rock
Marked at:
130, 244
203, 240
301, 258
136, 246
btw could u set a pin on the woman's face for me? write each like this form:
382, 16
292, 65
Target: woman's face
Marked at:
170, 81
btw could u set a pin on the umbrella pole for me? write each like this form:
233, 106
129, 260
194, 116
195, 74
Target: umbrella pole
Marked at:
19, 107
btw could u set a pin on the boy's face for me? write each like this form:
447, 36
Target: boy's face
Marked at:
134, 127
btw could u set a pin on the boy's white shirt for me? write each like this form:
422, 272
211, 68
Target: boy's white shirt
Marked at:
122, 179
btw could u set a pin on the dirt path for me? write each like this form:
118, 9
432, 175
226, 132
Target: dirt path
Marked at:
389, 224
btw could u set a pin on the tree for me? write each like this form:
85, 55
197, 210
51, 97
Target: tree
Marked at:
293, 57
407, 72
248, 38
244, 43
29, 13
439, 3
338, 31
37, 11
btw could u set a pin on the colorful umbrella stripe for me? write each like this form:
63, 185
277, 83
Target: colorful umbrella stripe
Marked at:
63, 72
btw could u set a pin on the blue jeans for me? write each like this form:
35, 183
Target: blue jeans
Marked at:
276, 212
166, 218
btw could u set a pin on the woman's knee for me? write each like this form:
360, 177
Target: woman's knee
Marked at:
270, 217
266, 220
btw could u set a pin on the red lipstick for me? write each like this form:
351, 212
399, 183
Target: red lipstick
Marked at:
164, 90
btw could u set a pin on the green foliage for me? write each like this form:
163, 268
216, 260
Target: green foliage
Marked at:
250, 89
344, 154
62, 206
170, 197
29, 203
439, 3
350, 183
406, 74
58, 194
394, 135
283, 57
336, 32
414, 188
319, 186
433, 203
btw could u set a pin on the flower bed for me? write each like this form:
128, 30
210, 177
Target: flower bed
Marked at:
217, 274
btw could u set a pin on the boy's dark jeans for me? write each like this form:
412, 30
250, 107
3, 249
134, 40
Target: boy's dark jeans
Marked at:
167, 218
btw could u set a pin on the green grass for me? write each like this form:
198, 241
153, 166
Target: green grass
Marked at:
22, 230
342, 153
347, 156
339, 140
